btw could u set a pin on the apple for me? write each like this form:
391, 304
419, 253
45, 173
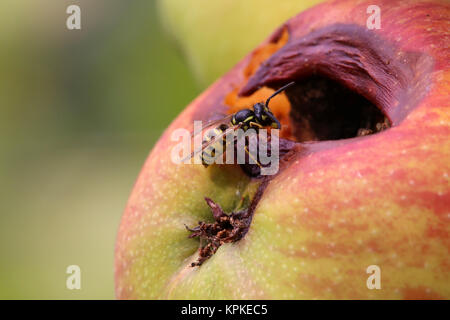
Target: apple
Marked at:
197, 24
360, 207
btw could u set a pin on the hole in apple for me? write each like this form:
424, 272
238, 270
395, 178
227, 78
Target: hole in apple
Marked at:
350, 82
317, 108
323, 109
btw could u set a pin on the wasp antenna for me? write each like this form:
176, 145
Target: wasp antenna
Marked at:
278, 91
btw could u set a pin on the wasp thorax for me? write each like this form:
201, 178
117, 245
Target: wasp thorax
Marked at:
243, 116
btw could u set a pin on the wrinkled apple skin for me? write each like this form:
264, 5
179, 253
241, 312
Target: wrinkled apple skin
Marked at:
377, 200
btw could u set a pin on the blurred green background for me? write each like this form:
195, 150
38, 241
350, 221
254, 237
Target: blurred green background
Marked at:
79, 112
81, 109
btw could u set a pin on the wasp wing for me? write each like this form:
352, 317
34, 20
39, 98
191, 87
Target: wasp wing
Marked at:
206, 144
211, 125
198, 134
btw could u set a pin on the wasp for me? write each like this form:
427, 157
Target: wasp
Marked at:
256, 118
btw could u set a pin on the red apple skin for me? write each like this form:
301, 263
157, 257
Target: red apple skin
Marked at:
337, 208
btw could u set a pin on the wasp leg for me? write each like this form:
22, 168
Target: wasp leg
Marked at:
250, 155
254, 124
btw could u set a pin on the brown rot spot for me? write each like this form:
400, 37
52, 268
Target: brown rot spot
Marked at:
226, 228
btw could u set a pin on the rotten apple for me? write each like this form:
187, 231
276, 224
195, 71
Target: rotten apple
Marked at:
365, 181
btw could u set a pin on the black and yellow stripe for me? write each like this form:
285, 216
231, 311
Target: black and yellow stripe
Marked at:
209, 154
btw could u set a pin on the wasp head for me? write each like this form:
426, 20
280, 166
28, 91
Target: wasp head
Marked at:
265, 117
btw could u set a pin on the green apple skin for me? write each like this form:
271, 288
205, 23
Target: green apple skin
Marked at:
215, 35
